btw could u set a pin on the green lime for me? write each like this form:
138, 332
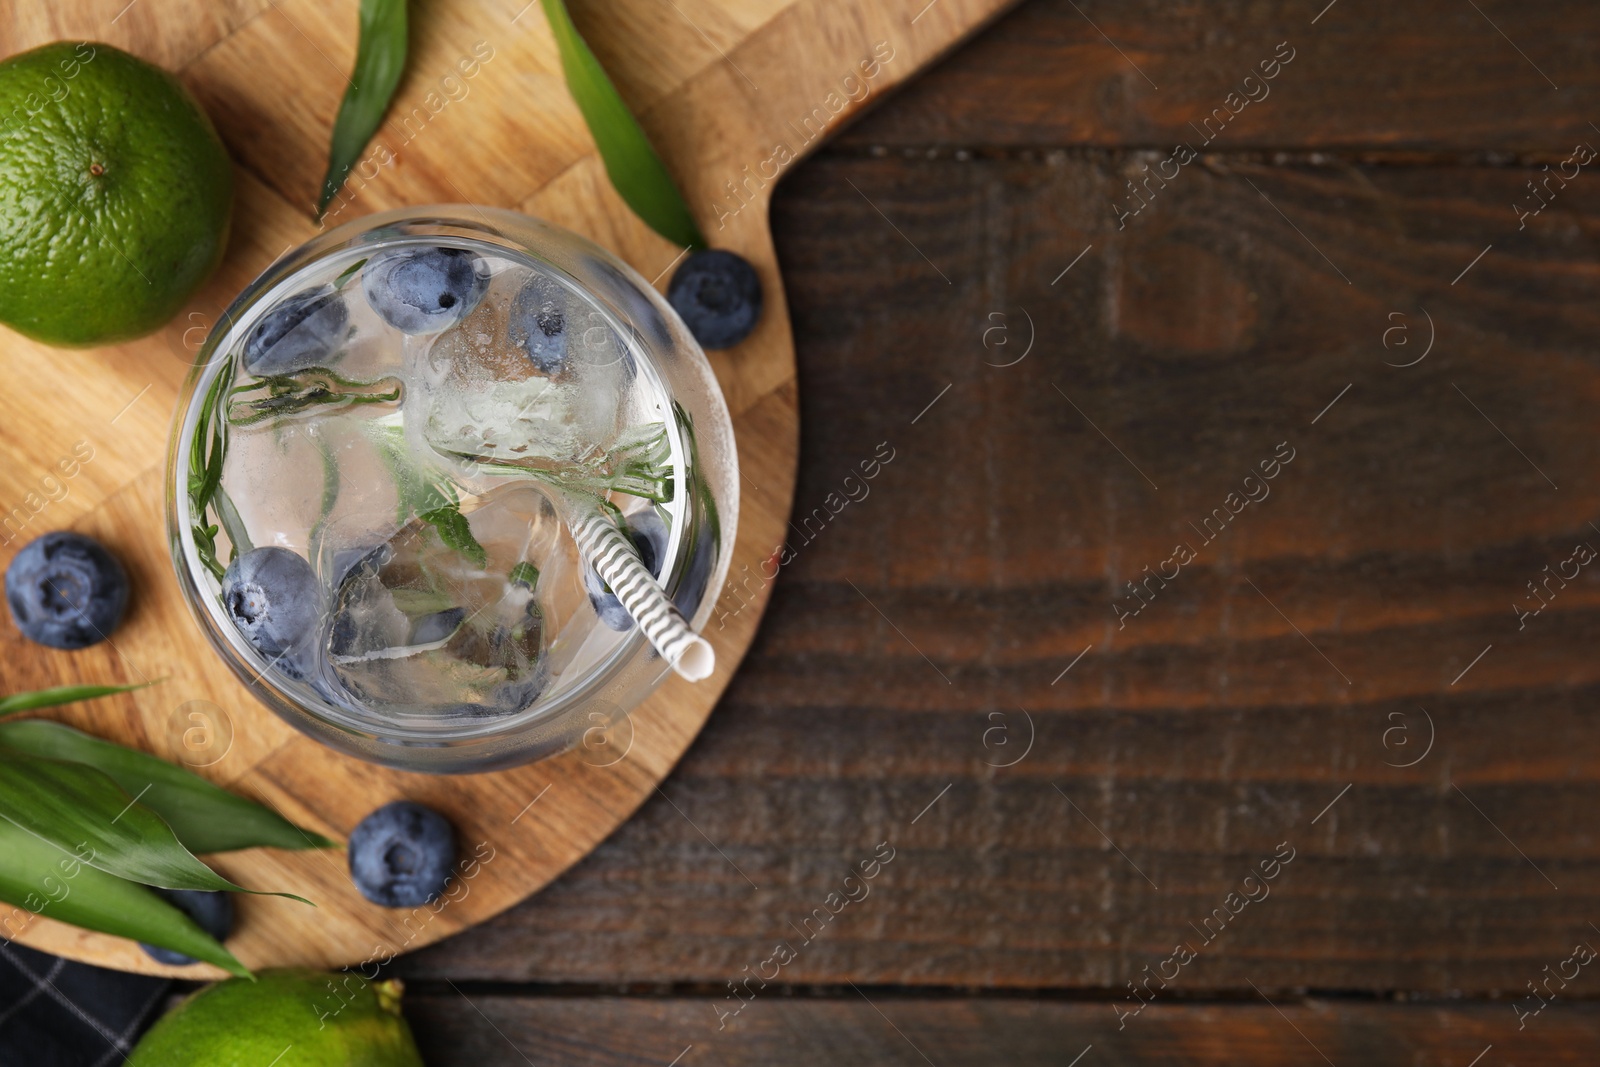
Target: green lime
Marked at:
114, 194
288, 1018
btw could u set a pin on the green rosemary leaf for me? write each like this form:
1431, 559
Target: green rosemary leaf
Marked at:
632, 164
330, 495
348, 273
316, 387
228, 515
380, 60
455, 533
205, 546
205, 467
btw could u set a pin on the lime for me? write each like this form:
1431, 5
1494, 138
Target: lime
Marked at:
288, 1018
114, 194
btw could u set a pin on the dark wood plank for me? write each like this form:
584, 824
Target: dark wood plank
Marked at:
493, 1030
1431, 76
1287, 662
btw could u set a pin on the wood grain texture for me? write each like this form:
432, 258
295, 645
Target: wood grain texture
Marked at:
1302, 652
956, 1032
1490, 80
482, 118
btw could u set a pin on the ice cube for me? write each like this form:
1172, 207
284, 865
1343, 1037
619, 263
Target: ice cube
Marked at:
445, 618
522, 378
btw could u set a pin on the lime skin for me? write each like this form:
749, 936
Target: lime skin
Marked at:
288, 1018
115, 194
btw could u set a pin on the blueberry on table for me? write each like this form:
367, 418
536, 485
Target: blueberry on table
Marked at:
66, 591
649, 536
304, 331
273, 597
718, 296
418, 290
211, 911
538, 324
401, 855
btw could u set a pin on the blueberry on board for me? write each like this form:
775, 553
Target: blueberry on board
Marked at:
274, 599
649, 536
538, 323
718, 296
401, 855
418, 290
304, 331
66, 591
211, 911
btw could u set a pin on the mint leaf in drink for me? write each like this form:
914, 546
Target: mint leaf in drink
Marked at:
455, 533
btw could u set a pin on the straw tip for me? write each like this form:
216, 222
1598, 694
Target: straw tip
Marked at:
697, 660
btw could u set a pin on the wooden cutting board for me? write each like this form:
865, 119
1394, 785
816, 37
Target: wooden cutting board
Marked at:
732, 92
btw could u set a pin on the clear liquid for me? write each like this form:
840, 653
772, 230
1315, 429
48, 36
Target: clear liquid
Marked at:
425, 478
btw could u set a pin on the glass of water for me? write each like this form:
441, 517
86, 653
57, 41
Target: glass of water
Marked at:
378, 462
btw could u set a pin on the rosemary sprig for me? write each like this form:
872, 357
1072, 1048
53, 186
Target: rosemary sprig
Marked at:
314, 387
206, 453
637, 466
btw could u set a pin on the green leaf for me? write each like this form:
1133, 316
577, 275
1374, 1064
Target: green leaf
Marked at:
40, 878
74, 806
316, 387
455, 533
633, 166
330, 492
205, 817
417, 490
232, 524
66, 694
380, 60
637, 464
350, 272
205, 468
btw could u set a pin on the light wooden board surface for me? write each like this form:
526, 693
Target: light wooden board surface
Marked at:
731, 93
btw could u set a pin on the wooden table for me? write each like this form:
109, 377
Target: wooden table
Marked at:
1343, 677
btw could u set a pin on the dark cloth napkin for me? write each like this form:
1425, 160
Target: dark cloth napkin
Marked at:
56, 1013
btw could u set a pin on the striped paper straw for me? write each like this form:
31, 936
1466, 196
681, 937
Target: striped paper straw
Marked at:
618, 564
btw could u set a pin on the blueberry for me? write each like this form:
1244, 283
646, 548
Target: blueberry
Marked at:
304, 331
212, 912
692, 586
417, 290
718, 296
437, 626
401, 855
649, 536
66, 591
538, 324
274, 599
